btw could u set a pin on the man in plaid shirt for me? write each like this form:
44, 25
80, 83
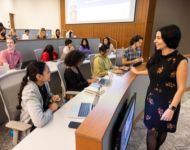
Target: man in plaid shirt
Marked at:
133, 53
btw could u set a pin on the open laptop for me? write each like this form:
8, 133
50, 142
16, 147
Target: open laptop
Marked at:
86, 55
3, 69
82, 109
103, 81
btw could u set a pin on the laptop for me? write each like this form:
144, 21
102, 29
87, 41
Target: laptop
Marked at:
86, 55
82, 109
3, 69
26, 63
104, 81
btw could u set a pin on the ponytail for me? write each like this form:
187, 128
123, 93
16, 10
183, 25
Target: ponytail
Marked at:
23, 84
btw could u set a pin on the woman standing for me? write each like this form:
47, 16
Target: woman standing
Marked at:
168, 71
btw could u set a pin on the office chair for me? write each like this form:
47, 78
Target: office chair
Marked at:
91, 57
61, 50
61, 67
118, 60
9, 88
38, 53
77, 47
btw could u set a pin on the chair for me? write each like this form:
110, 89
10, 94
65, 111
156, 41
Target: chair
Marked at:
118, 60
38, 53
91, 57
9, 88
77, 47
61, 67
61, 50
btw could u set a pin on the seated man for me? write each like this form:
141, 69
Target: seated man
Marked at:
68, 47
26, 35
133, 53
10, 55
102, 63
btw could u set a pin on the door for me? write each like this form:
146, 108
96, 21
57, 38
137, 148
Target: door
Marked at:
12, 21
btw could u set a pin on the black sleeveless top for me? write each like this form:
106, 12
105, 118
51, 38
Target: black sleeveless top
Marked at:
161, 91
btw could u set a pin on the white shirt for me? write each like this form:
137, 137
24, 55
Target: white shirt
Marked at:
67, 34
25, 37
66, 50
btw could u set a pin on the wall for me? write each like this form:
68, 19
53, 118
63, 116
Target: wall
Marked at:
121, 32
173, 12
35, 14
6, 7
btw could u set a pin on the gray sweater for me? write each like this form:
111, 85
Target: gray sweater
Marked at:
32, 107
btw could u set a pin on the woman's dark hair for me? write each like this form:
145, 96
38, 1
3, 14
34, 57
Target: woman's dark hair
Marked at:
108, 41
68, 41
49, 49
70, 34
103, 48
2, 28
34, 68
135, 39
56, 33
1, 24
171, 36
87, 45
73, 58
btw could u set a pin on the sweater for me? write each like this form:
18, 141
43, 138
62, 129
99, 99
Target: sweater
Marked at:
102, 65
32, 107
45, 56
85, 50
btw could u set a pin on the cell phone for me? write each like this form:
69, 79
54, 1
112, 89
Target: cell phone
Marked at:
74, 125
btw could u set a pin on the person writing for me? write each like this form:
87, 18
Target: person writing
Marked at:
106, 41
10, 55
73, 77
26, 35
57, 34
2, 33
102, 63
133, 53
168, 72
85, 46
69, 47
12, 33
41, 34
49, 54
36, 102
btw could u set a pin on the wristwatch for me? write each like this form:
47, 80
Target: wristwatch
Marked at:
172, 107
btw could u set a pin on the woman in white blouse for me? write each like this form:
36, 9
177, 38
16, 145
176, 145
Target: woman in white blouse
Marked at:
106, 41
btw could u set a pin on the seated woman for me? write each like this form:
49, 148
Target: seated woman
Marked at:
41, 34
2, 33
36, 102
57, 34
70, 34
12, 33
85, 46
68, 47
107, 42
49, 54
102, 63
73, 77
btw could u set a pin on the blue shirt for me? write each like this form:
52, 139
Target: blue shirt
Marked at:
129, 54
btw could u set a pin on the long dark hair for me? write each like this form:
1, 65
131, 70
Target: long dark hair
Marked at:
49, 49
108, 41
34, 68
171, 36
87, 45
70, 34
56, 33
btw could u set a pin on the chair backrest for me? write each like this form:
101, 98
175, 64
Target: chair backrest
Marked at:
77, 47
91, 57
9, 88
61, 50
118, 60
61, 67
38, 53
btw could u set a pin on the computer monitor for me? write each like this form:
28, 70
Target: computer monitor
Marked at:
126, 125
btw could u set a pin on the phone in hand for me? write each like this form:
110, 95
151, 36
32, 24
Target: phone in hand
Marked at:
74, 125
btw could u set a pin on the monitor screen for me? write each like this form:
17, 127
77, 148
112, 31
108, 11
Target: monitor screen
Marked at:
99, 11
126, 130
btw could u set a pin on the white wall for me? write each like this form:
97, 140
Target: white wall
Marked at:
35, 14
6, 7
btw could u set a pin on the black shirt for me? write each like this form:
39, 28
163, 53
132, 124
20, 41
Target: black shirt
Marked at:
74, 81
43, 92
3, 39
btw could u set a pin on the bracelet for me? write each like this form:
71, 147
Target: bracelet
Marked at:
171, 109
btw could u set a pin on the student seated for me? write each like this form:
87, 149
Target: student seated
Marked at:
102, 63
57, 34
10, 55
133, 53
1, 24
73, 77
49, 54
36, 102
85, 46
68, 47
12, 33
41, 34
106, 41
2, 33
26, 35
70, 34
